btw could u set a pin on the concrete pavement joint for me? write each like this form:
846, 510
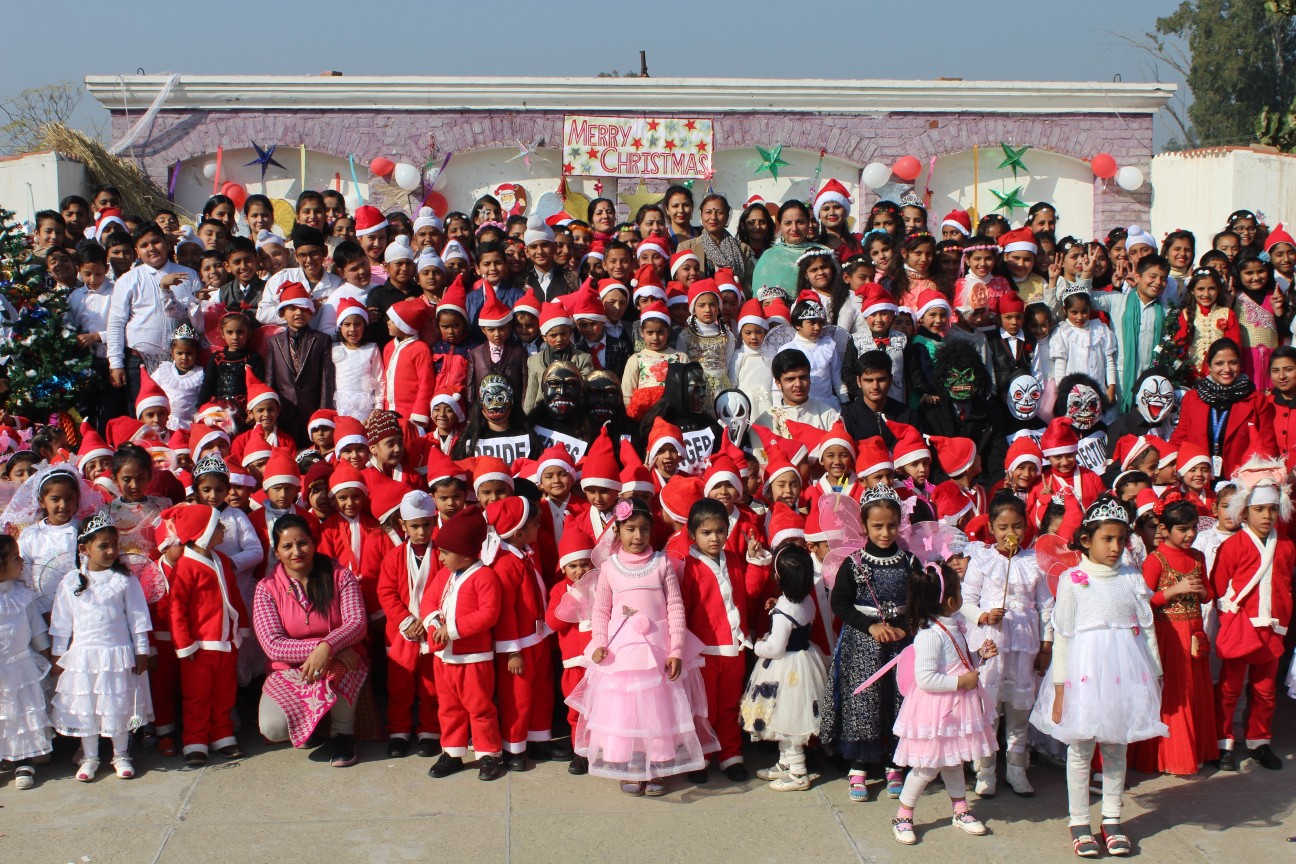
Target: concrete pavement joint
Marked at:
178, 818
836, 814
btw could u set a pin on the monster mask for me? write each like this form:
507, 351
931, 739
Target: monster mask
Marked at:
602, 395
1023, 396
1155, 399
562, 389
961, 383
1084, 407
495, 395
695, 389
734, 411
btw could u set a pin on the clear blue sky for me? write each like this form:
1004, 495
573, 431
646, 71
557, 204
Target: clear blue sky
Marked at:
757, 38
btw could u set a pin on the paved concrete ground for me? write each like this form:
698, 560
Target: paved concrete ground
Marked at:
280, 805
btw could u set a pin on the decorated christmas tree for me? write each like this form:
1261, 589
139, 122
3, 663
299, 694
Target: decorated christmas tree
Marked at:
1171, 352
42, 370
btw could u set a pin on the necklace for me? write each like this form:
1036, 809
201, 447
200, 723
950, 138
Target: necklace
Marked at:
875, 559
632, 571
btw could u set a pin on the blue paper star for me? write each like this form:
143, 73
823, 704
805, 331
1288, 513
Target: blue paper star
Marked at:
264, 158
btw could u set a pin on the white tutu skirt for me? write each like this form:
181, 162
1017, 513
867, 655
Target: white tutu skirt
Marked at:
24, 722
99, 693
781, 702
1010, 678
1111, 694
353, 403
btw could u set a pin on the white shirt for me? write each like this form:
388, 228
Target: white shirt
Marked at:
325, 319
268, 309
88, 313
142, 315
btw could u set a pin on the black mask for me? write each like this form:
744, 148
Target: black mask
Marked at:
562, 392
695, 390
601, 398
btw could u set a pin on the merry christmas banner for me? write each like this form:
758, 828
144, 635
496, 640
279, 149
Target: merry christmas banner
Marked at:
637, 147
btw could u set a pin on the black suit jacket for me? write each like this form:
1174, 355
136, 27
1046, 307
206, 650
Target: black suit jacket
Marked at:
234, 300
305, 390
563, 282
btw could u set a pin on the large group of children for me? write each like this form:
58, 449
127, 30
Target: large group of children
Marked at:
890, 498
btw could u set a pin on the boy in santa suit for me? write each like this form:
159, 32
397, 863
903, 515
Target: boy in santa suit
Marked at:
461, 634
1022, 466
1252, 577
282, 483
263, 411
568, 615
601, 482
665, 446
405, 592
208, 622
447, 482
523, 652
1064, 475
960, 463
321, 429
556, 476
676, 497
1194, 469
407, 363
164, 667
343, 535
391, 457
723, 482
716, 587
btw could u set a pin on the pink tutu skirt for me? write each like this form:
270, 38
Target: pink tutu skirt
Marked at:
938, 730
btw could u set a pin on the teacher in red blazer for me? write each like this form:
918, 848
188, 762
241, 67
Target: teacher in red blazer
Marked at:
1226, 408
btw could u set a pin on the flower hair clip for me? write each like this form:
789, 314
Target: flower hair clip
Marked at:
623, 510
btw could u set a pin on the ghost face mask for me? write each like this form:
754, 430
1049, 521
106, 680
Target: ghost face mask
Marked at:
562, 391
601, 397
1084, 407
1023, 396
734, 411
961, 384
495, 395
1154, 399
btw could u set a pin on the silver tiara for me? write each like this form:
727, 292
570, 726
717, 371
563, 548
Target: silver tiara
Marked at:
880, 492
212, 464
809, 310
94, 523
1071, 290
185, 331
771, 292
1109, 510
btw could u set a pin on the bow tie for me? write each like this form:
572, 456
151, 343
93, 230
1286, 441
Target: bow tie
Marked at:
882, 341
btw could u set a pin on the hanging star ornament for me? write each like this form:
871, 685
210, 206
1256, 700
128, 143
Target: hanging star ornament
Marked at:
1009, 201
526, 152
264, 158
1013, 159
771, 160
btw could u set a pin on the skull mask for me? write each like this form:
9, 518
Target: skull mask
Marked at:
495, 395
601, 397
1023, 396
562, 390
695, 389
1084, 407
734, 411
1155, 399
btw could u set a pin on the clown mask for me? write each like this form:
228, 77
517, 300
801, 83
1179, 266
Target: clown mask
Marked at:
1155, 399
1023, 396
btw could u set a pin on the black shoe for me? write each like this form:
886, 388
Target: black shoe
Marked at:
490, 768
428, 747
445, 766
397, 748
1227, 761
517, 762
579, 765
699, 776
195, 759
736, 773
344, 751
1266, 758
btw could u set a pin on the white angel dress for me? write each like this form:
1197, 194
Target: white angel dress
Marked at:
358, 380
24, 721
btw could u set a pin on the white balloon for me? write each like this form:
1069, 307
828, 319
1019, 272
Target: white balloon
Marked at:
407, 176
352, 201
1129, 178
876, 175
209, 170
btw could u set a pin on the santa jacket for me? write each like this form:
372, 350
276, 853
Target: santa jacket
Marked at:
410, 379
404, 576
573, 637
521, 622
1269, 604
1091, 486
377, 546
588, 519
1250, 427
207, 610
160, 612
344, 540
468, 605
716, 598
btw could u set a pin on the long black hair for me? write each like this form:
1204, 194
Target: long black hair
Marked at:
319, 583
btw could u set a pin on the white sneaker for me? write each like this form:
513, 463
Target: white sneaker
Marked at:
774, 772
24, 777
986, 784
791, 783
124, 767
1016, 778
86, 772
902, 830
969, 823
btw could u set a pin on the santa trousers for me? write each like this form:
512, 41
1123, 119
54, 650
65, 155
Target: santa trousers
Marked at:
164, 684
208, 686
724, 679
409, 676
1262, 679
570, 678
526, 700
465, 699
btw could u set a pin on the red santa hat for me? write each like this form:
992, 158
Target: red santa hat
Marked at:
1145, 502
1168, 452
678, 495
193, 523
348, 432
956, 455
346, 476
785, 524
488, 468
1059, 438
814, 530
558, 220
648, 284
874, 298
658, 243
369, 220
929, 299
294, 294
655, 310
586, 305
755, 199
448, 394
179, 441
833, 191
442, 467
257, 391
726, 281
455, 298
676, 293
1129, 448
1019, 240
699, 288
121, 430
555, 456
873, 457
803, 440
279, 470
493, 313
909, 447
1278, 235
323, 418
735, 455
508, 515
1191, 453
950, 503
528, 302
599, 468
607, 286
553, 315
721, 470
253, 448
1021, 451
150, 394
385, 498
92, 446
777, 463
108, 217
1010, 302
201, 435
597, 251
464, 533
350, 306
836, 435
576, 545
664, 433
794, 450
634, 476
960, 220
752, 313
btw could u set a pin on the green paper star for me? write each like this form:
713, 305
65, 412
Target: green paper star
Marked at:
1013, 159
1010, 201
771, 160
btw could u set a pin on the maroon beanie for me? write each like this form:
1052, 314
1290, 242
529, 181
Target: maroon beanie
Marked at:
463, 533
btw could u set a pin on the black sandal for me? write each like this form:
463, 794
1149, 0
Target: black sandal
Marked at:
1083, 842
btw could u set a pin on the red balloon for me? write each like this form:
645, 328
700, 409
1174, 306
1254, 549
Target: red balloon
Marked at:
1104, 166
235, 192
382, 166
437, 202
907, 168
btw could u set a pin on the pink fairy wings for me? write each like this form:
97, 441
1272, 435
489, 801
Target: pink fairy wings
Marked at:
1054, 558
903, 663
577, 604
840, 517
932, 542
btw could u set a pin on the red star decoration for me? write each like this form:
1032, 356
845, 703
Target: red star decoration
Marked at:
669, 145
637, 143
701, 147
652, 125
591, 153
568, 168
691, 125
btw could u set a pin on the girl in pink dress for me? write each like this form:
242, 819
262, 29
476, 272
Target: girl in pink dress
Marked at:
642, 705
943, 721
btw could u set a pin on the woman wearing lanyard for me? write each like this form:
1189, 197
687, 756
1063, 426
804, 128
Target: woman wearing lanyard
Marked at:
1236, 419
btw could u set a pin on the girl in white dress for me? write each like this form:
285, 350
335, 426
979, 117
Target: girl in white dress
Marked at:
45, 511
24, 664
819, 346
1083, 345
357, 365
1105, 689
99, 628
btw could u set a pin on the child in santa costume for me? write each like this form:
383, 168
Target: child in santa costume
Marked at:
391, 456
959, 460
723, 482
555, 474
208, 622
571, 603
523, 652
343, 534
385, 497
448, 418
601, 482
460, 631
1022, 466
837, 453
676, 498
716, 586
164, 666
404, 590
1194, 470
263, 411
1064, 475
407, 364
1252, 577
282, 483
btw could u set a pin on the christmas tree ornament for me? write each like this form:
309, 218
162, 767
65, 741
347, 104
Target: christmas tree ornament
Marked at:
1008, 201
1013, 159
771, 160
264, 158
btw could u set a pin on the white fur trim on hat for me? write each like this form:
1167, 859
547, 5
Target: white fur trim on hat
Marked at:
637, 486
655, 315
759, 321
826, 197
479, 479
1199, 459
786, 534
575, 555
937, 302
1063, 450
279, 480
268, 395
882, 306
1025, 457
1021, 246
454, 401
